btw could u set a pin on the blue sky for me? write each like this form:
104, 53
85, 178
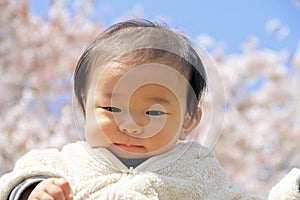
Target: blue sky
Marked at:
276, 23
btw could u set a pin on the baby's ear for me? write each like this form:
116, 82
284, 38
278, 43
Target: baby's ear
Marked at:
190, 124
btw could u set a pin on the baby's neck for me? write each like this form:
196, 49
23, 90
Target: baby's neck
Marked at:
132, 162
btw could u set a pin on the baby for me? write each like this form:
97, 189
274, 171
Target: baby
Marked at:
139, 87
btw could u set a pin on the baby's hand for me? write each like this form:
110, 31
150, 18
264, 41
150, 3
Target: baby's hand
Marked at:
52, 188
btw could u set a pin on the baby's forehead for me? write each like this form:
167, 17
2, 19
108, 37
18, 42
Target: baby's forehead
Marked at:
145, 58
132, 77
146, 72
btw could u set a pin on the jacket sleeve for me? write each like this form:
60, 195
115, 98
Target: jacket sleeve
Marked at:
23, 190
229, 190
287, 188
34, 163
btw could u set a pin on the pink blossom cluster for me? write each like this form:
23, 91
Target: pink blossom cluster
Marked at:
260, 136
37, 59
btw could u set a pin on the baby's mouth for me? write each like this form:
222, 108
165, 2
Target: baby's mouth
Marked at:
129, 146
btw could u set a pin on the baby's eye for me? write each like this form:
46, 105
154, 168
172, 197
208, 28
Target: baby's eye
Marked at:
112, 109
155, 112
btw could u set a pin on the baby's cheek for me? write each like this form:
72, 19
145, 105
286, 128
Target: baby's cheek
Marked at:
96, 132
107, 125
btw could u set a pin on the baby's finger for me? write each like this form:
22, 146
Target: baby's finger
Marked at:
47, 190
65, 187
55, 191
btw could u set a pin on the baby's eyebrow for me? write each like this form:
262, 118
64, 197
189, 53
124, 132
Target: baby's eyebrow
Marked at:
106, 96
159, 100
155, 99
110, 95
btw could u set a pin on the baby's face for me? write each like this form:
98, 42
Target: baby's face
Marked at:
136, 112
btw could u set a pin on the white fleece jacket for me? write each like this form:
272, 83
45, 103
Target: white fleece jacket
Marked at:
185, 172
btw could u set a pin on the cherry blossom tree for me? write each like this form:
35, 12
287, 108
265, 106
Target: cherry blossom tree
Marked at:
38, 57
260, 136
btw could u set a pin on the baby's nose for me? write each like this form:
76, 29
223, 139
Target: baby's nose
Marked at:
130, 127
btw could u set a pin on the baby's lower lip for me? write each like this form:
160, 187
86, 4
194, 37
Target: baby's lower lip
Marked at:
128, 146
